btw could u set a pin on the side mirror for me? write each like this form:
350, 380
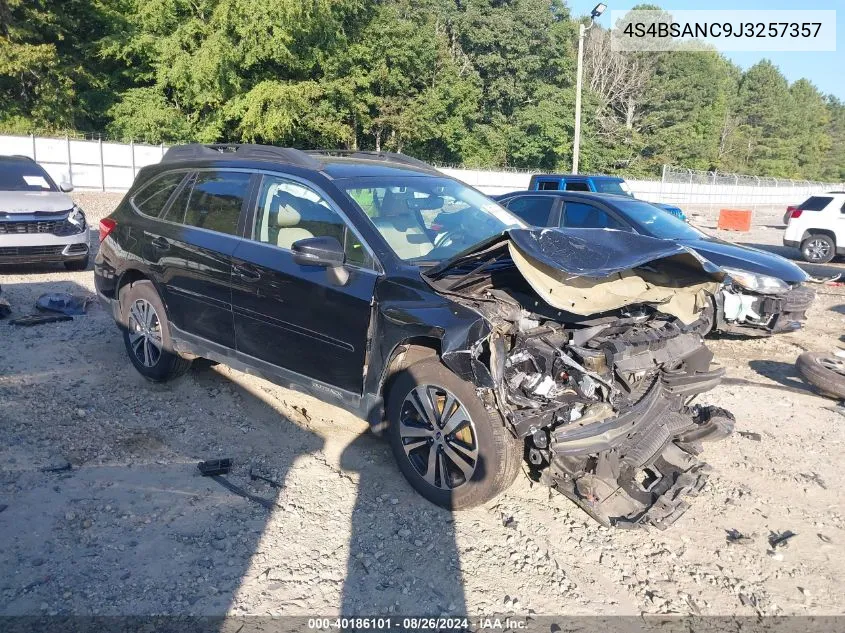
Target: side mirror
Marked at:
66, 186
318, 251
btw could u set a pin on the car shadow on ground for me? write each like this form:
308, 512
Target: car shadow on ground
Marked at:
785, 374
107, 514
822, 271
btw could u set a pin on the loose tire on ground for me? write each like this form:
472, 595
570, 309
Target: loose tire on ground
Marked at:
167, 365
818, 249
824, 371
499, 454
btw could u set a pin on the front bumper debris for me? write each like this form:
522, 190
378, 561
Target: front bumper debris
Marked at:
639, 467
744, 312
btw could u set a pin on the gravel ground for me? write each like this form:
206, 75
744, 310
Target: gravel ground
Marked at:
104, 511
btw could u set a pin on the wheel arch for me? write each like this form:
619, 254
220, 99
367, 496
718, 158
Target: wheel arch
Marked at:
404, 353
129, 277
810, 232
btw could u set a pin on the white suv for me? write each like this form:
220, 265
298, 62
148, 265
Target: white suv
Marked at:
817, 227
38, 220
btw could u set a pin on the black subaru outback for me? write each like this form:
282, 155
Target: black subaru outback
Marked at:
374, 282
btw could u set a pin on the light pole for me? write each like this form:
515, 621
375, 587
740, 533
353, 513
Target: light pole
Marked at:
582, 32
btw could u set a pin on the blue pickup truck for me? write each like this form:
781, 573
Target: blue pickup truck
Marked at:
596, 184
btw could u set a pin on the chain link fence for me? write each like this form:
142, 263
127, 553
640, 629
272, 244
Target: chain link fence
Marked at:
709, 191
105, 165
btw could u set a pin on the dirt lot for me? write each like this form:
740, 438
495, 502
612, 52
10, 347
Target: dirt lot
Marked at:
131, 527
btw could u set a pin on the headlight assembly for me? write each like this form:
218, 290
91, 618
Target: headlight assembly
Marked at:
74, 223
764, 284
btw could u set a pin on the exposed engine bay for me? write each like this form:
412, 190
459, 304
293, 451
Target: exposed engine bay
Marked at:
603, 400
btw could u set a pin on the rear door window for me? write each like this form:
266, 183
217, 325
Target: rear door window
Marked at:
577, 185
815, 203
580, 215
213, 201
153, 197
548, 185
533, 209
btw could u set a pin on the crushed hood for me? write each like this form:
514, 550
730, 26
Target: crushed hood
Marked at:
589, 271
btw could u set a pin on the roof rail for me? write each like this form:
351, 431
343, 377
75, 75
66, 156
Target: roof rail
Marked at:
394, 157
197, 151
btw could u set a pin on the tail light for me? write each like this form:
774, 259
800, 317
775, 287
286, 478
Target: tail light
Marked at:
795, 213
107, 225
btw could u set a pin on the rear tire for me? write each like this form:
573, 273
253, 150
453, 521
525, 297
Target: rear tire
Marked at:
78, 264
825, 372
146, 333
475, 457
818, 249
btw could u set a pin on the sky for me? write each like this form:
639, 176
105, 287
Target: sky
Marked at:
826, 70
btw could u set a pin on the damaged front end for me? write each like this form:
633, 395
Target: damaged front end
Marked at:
741, 310
592, 352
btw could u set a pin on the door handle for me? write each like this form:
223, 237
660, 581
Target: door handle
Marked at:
161, 243
247, 273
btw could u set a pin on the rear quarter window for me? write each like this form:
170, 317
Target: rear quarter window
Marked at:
151, 199
815, 203
535, 210
548, 185
216, 199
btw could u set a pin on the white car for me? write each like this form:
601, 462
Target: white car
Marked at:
39, 221
817, 227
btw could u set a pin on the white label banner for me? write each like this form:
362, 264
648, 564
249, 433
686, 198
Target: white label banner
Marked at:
763, 30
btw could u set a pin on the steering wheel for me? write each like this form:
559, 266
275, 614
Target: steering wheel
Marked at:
446, 238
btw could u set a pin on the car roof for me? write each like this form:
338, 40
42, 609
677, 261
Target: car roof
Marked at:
16, 160
580, 176
586, 195
335, 164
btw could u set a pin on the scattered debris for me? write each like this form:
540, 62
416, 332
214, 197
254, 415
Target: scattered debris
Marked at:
824, 539
57, 466
253, 476
815, 478
735, 537
751, 436
39, 319
216, 468
213, 467
780, 539
64, 303
267, 503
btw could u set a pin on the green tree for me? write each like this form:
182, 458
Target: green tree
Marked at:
50, 77
813, 133
771, 122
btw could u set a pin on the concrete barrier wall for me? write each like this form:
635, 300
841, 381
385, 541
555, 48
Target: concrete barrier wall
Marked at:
107, 166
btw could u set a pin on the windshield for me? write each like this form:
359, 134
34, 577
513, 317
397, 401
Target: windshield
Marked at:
24, 176
656, 222
428, 219
619, 187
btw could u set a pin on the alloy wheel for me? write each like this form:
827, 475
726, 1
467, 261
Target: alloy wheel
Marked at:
438, 436
145, 333
834, 364
818, 249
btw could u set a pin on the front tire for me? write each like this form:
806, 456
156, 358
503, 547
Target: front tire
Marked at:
818, 249
449, 447
146, 333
